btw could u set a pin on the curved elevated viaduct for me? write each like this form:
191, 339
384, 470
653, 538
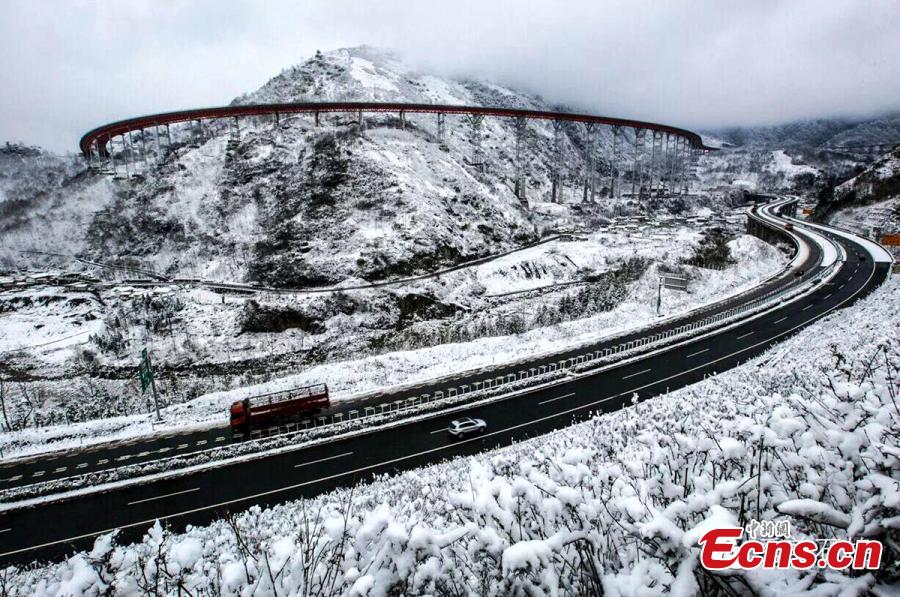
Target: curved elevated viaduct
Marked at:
668, 167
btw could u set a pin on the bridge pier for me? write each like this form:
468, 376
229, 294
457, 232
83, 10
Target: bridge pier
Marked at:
653, 139
131, 153
441, 132
588, 192
556, 182
144, 150
614, 164
676, 165
475, 121
158, 148
125, 159
637, 179
666, 189
402, 119
520, 178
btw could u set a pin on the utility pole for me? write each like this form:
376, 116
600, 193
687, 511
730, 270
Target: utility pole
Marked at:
145, 373
659, 296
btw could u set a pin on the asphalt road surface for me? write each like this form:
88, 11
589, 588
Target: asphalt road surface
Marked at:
55, 529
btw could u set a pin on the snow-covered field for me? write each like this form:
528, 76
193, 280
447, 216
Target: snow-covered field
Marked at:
755, 261
614, 505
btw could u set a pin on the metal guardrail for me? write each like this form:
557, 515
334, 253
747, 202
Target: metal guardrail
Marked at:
495, 387
533, 376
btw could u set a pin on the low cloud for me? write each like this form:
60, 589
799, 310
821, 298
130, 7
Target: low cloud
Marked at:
73, 65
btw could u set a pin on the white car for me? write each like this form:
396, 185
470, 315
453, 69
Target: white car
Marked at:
460, 428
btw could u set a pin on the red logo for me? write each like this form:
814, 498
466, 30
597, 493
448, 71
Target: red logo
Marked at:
720, 550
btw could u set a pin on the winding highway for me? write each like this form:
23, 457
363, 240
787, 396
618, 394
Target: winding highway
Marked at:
56, 527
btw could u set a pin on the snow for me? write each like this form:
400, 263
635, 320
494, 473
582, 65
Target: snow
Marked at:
516, 520
784, 164
349, 379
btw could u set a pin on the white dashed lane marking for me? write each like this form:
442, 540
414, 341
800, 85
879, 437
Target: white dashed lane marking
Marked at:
60, 469
202, 442
322, 459
745, 335
160, 497
693, 354
38, 474
103, 461
779, 321
181, 446
806, 307
638, 373
82, 465
557, 398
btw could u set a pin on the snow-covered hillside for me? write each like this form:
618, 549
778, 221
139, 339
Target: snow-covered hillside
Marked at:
869, 203
557, 295
298, 205
807, 134
612, 506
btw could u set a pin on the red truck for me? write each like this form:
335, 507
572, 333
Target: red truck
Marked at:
268, 408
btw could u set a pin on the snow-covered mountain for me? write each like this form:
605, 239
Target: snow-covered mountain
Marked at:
299, 205
808, 134
868, 203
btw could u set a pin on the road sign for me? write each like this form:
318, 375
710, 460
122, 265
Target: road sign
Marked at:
891, 240
673, 282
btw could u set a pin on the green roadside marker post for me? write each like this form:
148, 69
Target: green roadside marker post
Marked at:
145, 373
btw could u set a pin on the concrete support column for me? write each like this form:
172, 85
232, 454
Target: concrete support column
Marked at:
520, 140
144, 150
589, 150
441, 127
636, 174
556, 183
316, 117
652, 161
667, 163
614, 164
475, 121
131, 152
125, 157
158, 148
402, 119
676, 167
111, 150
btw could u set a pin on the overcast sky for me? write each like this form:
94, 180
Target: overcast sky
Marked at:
69, 65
